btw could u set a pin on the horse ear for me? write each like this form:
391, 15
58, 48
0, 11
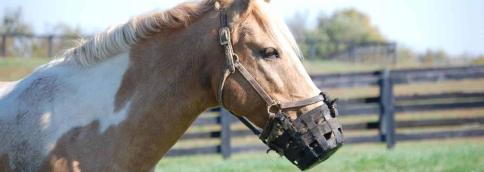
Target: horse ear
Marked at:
235, 8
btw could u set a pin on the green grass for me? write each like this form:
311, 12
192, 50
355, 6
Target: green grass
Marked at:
449, 155
22, 62
15, 68
334, 66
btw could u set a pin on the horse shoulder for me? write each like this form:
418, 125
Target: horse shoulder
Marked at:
21, 107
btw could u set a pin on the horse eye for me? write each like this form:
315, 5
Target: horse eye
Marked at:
268, 53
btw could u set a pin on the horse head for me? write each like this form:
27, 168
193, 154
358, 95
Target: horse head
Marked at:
262, 80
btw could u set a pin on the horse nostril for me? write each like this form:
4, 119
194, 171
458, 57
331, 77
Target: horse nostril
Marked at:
327, 136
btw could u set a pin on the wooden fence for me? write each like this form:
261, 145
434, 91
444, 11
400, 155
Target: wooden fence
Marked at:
384, 53
386, 105
50, 43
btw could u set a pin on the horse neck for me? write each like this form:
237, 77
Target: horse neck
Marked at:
167, 89
162, 91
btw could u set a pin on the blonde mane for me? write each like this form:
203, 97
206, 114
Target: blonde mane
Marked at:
122, 37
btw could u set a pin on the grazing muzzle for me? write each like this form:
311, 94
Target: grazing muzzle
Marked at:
306, 141
309, 139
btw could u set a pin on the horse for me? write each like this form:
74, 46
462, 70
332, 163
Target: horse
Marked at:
120, 100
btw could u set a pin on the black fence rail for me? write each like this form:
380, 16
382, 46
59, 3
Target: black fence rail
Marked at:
385, 105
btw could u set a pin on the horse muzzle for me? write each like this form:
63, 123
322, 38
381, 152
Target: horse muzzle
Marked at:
309, 139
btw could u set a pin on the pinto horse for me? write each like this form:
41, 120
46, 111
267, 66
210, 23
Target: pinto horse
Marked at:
121, 100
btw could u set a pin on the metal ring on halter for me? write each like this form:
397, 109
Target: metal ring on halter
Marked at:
274, 108
235, 58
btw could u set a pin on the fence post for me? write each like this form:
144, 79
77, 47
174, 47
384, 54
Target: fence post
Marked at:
352, 54
225, 145
393, 52
3, 49
50, 51
387, 110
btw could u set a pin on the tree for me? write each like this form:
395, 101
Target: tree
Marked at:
337, 32
406, 56
432, 57
13, 23
26, 46
478, 60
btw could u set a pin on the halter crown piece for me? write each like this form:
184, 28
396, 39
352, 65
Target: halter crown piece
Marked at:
305, 141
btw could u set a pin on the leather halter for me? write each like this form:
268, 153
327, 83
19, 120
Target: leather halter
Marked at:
233, 65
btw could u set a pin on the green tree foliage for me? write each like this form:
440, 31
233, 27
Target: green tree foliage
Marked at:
407, 56
479, 60
432, 57
336, 32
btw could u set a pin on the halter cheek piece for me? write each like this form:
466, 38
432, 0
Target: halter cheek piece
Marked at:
305, 141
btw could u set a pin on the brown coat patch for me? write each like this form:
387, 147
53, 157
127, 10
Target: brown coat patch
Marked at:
4, 165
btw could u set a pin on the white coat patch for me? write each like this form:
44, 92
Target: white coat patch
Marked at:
36, 111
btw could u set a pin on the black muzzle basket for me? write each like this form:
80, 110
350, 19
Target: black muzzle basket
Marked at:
308, 140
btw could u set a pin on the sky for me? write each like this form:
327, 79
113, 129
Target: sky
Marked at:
456, 26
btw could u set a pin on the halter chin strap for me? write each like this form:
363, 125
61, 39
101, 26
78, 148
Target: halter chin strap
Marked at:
233, 65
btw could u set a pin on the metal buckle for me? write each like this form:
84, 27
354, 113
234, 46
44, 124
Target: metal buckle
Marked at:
225, 36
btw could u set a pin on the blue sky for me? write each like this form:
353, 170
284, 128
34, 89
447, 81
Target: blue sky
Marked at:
457, 26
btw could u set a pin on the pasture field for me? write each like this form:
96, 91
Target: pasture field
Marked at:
12, 69
439, 155
466, 155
